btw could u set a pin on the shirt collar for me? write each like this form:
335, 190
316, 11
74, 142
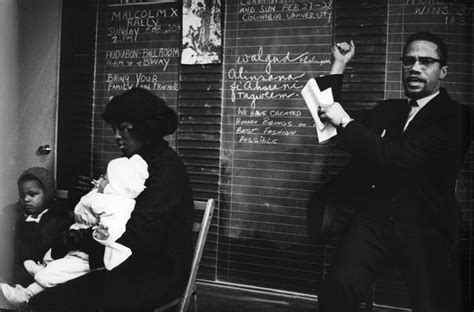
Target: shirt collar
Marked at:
423, 101
37, 219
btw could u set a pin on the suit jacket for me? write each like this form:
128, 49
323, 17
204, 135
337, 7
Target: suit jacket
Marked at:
406, 176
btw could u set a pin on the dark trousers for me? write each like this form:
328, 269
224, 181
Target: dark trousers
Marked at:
428, 262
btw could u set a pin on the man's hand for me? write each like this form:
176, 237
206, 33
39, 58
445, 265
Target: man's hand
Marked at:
334, 113
342, 53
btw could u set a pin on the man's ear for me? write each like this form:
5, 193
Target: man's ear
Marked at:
443, 72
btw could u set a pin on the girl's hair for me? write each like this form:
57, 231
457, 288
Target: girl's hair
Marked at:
45, 179
149, 114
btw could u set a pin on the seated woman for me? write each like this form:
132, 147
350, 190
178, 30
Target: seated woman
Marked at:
159, 231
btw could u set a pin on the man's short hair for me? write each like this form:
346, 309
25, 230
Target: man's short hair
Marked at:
442, 50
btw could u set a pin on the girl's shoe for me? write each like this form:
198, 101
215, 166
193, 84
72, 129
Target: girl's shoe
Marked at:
18, 296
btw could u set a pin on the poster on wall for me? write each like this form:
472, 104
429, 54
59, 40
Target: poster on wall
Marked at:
202, 32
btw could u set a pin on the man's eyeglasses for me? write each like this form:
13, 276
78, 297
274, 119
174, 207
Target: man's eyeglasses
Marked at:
424, 61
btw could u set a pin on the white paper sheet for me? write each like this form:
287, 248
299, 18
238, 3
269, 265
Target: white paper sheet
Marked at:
314, 98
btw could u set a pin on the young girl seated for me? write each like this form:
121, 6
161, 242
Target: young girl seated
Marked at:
30, 227
106, 209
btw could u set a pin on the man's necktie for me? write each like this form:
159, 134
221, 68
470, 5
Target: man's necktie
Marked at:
414, 107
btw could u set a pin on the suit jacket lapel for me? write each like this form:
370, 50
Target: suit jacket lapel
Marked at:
432, 111
397, 118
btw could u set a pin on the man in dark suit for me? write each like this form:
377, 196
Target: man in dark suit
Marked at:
400, 180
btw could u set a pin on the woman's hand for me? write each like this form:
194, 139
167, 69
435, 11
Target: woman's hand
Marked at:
80, 185
342, 53
83, 184
67, 241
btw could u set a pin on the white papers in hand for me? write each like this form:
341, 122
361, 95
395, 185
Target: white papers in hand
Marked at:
314, 98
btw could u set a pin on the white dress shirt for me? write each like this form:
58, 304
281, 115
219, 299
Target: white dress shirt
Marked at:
415, 109
37, 219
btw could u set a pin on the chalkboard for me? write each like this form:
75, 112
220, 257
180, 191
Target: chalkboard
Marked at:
138, 45
270, 158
